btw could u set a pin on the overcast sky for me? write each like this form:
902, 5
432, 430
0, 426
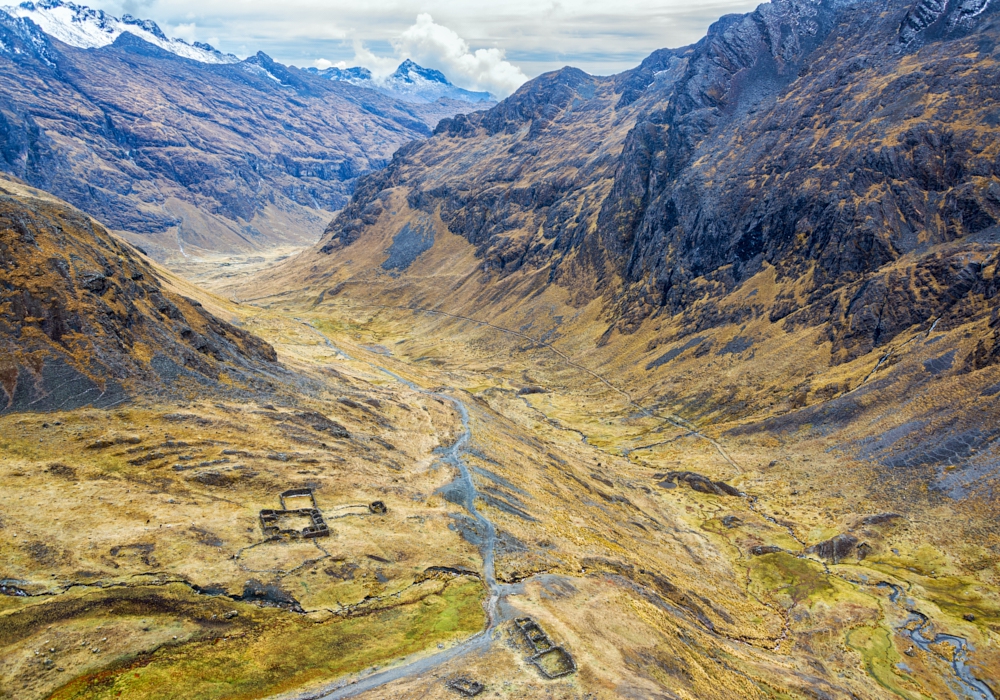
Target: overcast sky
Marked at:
490, 46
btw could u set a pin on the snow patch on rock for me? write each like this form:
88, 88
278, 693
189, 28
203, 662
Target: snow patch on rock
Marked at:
410, 83
85, 28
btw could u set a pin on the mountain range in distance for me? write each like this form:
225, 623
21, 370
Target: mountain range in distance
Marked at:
173, 144
410, 82
85, 28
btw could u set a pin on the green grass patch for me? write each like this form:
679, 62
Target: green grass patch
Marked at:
781, 574
880, 657
283, 651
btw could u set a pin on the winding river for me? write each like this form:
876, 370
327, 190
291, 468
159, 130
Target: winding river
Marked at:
452, 456
917, 627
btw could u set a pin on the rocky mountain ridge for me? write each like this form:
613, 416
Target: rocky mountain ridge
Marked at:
85, 319
85, 28
186, 155
802, 137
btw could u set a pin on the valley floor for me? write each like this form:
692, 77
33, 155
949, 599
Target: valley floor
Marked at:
662, 583
668, 559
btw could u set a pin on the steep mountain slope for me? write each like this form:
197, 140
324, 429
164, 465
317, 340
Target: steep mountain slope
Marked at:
85, 319
187, 154
826, 163
824, 140
522, 182
850, 154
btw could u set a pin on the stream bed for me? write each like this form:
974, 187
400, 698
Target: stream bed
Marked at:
920, 630
464, 483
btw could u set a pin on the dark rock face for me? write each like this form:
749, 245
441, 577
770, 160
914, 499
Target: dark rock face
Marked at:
700, 483
928, 15
849, 145
407, 245
320, 423
836, 549
794, 139
539, 161
947, 287
155, 144
79, 309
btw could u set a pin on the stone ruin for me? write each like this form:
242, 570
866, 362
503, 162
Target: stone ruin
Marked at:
466, 686
297, 493
551, 660
274, 522
377, 508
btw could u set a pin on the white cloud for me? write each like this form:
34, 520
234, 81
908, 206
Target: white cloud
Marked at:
433, 45
534, 35
436, 46
378, 65
187, 32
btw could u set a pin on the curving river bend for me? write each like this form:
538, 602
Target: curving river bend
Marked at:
917, 626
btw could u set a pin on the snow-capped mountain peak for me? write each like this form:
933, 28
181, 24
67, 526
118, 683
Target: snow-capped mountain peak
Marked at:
85, 28
410, 83
410, 72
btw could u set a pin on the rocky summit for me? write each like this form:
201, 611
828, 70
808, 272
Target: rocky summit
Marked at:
676, 383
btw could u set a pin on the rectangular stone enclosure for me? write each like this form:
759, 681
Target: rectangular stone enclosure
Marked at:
287, 523
554, 663
304, 522
300, 499
551, 660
